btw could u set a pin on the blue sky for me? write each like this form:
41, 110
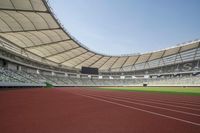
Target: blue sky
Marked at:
118, 27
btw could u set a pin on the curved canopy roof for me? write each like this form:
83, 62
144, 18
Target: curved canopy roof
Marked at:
31, 29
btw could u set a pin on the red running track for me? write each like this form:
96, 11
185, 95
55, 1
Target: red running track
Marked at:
87, 110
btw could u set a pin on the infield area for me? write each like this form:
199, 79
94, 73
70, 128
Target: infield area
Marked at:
98, 110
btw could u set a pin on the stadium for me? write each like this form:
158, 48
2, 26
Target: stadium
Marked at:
50, 82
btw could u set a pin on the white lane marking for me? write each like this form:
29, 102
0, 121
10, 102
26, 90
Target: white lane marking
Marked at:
134, 108
120, 99
183, 112
161, 103
152, 101
165, 101
171, 102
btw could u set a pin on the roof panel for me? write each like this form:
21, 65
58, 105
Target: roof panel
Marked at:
41, 36
76, 51
38, 5
143, 58
109, 63
130, 61
156, 55
23, 38
44, 50
48, 18
21, 20
119, 62
38, 21
71, 54
57, 59
3, 26
11, 22
52, 35
33, 38
171, 51
100, 62
22, 4
14, 40
31, 25
53, 48
85, 56
68, 55
6, 4
67, 47
73, 43
87, 63
188, 47
62, 46
79, 59
62, 34
39, 52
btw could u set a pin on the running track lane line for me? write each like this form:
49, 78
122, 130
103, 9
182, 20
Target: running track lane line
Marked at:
134, 108
149, 101
165, 101
159, 103
139, 103
143, 104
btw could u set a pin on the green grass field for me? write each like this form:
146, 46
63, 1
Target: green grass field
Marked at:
172, 90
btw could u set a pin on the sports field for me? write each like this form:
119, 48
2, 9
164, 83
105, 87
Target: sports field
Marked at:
102, 110
171, 90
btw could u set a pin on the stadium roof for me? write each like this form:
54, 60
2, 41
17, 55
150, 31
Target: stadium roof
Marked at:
30, 28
